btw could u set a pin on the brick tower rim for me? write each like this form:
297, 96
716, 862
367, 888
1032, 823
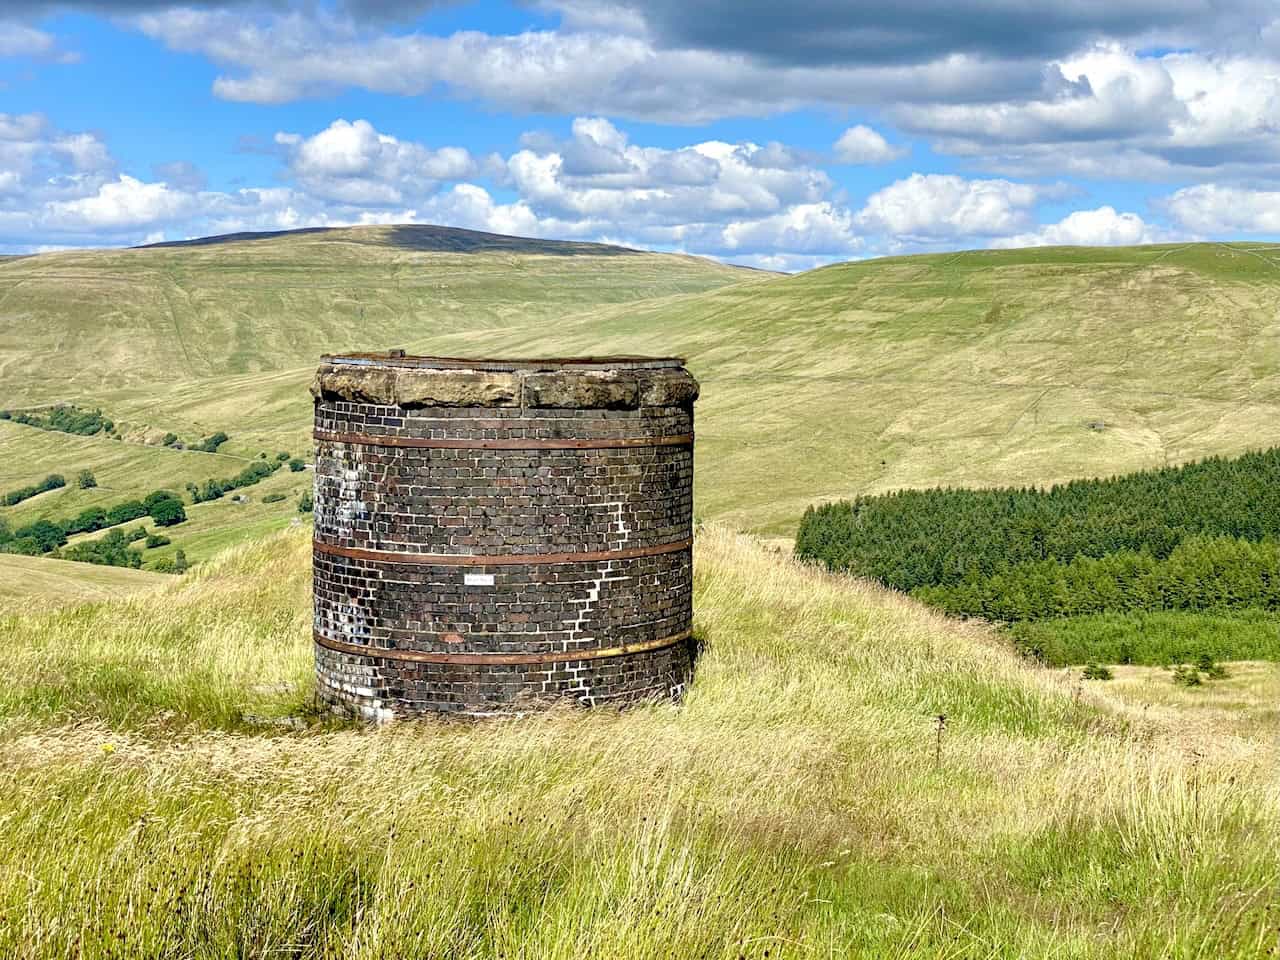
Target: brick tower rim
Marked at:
397, 358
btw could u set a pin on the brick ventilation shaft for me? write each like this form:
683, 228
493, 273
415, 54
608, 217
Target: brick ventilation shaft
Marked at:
491, 536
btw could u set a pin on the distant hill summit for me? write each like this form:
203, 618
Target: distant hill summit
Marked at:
85, 320
422, 237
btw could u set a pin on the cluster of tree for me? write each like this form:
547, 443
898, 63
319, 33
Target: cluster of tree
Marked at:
1201, 573
295, 465
175, 564
924, 538
210, 444
213, 489
65, 418
44, 536
111, 550
51, 482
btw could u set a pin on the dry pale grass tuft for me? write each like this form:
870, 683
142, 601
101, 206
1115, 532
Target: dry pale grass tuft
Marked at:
796, 804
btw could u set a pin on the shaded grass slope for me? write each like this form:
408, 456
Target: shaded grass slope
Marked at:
796, 805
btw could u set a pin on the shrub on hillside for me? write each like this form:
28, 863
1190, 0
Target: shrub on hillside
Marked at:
273, 498
158, 496
168, 512
88, 520
27, 546
253, 473
110, 550
65, 418
85, 480
1096, 671
176, 564
157, 540
210, 444
306, 504
52, 482
1206, 665
44, 534
296, 465
126, 511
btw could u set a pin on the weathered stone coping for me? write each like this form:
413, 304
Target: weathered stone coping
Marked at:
609, 383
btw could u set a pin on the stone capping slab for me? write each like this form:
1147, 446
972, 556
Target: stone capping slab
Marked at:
605, 383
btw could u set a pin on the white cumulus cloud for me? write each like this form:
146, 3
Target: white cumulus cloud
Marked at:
862, 145
1212, 208
1087, 228
126, 202
354, 163
930, 207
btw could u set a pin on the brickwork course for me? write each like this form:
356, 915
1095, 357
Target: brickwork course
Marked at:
495, 536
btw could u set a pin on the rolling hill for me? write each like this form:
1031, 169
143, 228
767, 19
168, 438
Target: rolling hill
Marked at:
76, 323
978, 368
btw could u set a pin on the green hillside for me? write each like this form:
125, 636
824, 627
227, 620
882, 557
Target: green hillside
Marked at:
55, 582
978, 368
73, 324
168, 792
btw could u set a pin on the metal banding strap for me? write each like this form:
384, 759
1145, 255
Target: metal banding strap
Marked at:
507, 559
423, 656
519, 443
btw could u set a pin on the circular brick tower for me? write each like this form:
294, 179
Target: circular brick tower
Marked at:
492, 535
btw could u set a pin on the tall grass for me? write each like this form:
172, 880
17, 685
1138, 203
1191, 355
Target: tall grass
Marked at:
790, 807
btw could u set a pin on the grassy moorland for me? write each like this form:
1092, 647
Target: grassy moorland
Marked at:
798, 804
979, 368
64, 582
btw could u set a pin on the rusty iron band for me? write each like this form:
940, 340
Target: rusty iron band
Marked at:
422, 656
480, 560
366, 440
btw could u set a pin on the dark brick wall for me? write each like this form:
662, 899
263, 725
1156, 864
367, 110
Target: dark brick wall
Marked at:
505, 504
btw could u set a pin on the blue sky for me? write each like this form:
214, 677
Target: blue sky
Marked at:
776, 135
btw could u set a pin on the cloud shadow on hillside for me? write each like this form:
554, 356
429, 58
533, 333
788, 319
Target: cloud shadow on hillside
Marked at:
428, 238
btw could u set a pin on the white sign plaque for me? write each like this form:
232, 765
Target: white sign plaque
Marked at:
478, 579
